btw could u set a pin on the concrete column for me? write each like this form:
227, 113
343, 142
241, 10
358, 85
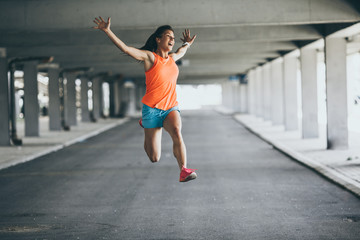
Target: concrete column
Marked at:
96, 97
229, 96
63, 101
224, 94
117, 97
85, 114
243, 98
71, 99
290, 91
251, 92
112, 100
142, 93
236, 96
122, 99
31, 103
131, 101
277, 92
139, 95
54, 100
267, 91
128, 98
4, 99
310, 125
336, 90
259, 91
102, 99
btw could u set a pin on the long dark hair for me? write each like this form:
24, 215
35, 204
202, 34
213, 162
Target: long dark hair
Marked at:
151, 44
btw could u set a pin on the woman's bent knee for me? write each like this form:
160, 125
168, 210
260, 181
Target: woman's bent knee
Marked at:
154, 158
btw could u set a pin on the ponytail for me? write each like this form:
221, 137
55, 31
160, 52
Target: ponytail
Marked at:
151, 44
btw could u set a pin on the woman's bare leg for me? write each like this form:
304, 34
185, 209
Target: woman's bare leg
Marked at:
172, 125
152, 143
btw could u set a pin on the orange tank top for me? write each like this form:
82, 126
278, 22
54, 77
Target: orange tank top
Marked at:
161, 81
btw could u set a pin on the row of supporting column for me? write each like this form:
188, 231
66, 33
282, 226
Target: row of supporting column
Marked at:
4, 100
290, 92
124, 99
272, 91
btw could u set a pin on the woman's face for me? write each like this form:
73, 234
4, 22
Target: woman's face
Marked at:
167, 41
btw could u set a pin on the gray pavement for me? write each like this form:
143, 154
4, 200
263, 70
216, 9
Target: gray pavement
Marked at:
341, 166
106, 188
50, 141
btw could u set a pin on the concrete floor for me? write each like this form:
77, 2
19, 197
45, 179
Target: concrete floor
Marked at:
106, 188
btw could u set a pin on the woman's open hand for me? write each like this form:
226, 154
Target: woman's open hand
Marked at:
101, 24
187, 37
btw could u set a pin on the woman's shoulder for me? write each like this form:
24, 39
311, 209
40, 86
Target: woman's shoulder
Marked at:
150, 57
151, 54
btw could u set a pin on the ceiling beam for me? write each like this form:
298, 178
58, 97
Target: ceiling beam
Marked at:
58, 14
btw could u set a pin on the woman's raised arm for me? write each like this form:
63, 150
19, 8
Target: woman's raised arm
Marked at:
187, 41
140, 55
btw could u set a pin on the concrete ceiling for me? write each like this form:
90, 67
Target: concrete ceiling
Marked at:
233, 36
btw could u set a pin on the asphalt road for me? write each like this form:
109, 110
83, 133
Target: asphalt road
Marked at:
106, 188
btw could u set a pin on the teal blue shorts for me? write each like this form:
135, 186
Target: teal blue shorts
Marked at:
154, 117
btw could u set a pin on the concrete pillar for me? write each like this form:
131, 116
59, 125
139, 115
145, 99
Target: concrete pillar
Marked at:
267, 91
85, 114
224, 94
336, 90
143, 91
229, 96
244, 98
31, 103
139, 95
131, 100
128, 98
236, 96
310, 125
277, 92
70, 107
102, 100
54, 100
259, 92
4, 99
251, 92
290, 91
117, 97
112, 99
96, 91
122, 99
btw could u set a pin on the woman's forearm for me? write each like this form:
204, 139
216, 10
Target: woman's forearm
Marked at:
120, 44
131, 51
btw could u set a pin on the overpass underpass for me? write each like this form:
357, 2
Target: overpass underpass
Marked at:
291, 64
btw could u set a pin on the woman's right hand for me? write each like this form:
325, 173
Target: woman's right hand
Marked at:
101, 24
141, 55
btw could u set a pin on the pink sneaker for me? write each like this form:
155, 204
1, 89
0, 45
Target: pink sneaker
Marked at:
187, 174
140, 123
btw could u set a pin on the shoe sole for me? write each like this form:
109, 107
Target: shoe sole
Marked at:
192, 176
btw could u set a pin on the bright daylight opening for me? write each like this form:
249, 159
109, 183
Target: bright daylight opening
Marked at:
353, 85
198, 96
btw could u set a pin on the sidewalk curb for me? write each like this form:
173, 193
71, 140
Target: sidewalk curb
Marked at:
63, 145
327, 172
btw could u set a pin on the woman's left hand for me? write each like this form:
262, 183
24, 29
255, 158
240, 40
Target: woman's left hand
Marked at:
187, 37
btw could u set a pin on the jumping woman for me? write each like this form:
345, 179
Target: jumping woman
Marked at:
160, 106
